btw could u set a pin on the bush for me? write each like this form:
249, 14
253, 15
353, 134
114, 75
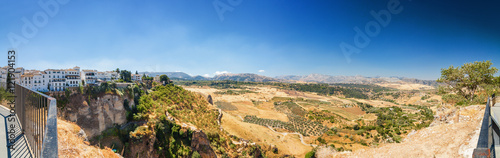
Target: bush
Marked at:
4, 94
321, 140
311, 154
481, 99
454, 99
195, 155
425, 97
397, 139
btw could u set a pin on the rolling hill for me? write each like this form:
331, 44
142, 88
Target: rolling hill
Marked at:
319, 78
245, 77
357, 79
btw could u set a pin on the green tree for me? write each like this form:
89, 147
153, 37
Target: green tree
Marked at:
118, 70
310, 154
468, 78
9, 79
164, 79
496, 81
126, 76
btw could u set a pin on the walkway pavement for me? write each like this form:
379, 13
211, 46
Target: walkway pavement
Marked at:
21, 147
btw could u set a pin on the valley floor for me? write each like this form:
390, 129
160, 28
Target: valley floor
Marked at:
453, 136
453, 133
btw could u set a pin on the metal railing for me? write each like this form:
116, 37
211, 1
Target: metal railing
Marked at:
37, 114
489, 134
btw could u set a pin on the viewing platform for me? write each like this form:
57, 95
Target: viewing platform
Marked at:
488, 144
31, 131
21, 147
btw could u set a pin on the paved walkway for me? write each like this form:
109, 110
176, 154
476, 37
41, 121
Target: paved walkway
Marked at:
21, 149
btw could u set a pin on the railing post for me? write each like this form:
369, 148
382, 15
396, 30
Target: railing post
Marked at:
485, 142
37, 114
49, 147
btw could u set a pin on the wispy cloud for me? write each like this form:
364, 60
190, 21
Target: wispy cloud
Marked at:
261, 71
221, 72
206, 75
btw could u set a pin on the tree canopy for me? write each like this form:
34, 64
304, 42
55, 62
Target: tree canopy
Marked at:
468, 78
165, 80
126, 75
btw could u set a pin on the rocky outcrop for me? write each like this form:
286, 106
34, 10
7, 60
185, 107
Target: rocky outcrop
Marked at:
83, 135
256, 153
201, 144
143, 147
210, 100
219, 118
96, 115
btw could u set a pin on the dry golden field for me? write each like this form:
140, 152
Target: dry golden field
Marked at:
260, 101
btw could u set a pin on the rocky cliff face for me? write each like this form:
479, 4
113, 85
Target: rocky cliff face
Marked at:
143, 148
201, 144
96, 115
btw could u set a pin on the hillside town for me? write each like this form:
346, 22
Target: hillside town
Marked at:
61, 79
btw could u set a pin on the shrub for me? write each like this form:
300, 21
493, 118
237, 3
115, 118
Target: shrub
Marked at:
321, 140
195, 155
454, 99
310, 154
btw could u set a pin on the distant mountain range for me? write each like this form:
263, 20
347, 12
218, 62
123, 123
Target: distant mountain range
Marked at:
319, 78
235, 77
180, 75
246, 77
356, 79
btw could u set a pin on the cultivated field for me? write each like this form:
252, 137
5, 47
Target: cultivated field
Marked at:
250, 111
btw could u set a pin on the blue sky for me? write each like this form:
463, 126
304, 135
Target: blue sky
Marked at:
280, 37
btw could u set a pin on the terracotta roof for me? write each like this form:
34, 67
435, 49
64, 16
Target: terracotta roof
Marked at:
54, 70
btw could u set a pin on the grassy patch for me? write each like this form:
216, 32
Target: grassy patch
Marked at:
226, 106
234, 92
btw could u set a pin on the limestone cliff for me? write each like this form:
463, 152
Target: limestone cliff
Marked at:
96, 115
201, 144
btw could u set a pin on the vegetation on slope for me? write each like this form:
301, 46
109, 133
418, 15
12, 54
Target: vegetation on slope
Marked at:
296, 116
171, 139
156, 120
188, 107
4, 95
391, 125
234, 92
360, 91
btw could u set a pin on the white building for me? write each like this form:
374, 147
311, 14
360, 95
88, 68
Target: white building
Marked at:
60, 79
103, 76
113, 75
3, 74
107, 76
89, 77
57, 79
136, 77
17, 74
73, 78
35, 80
156, 78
